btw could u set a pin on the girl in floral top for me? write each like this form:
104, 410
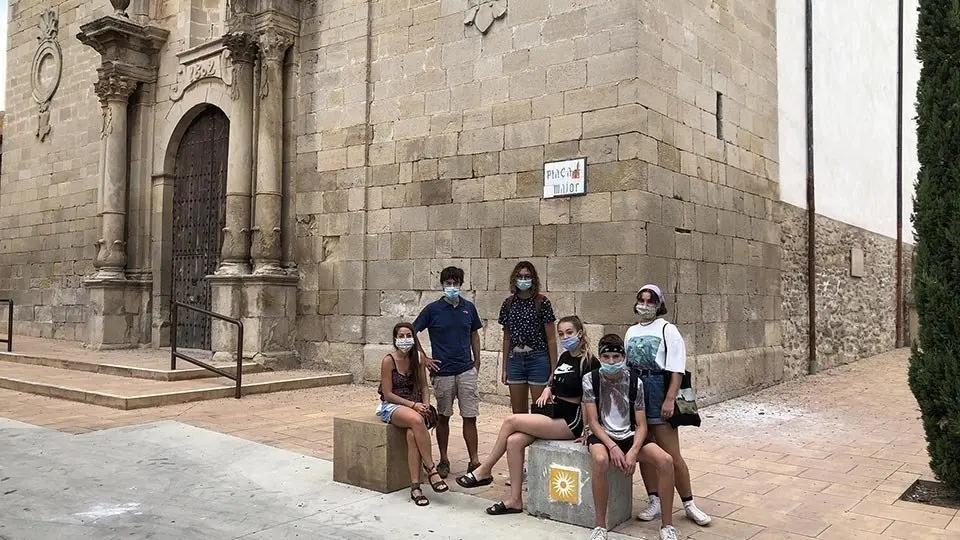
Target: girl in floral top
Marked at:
405, 403
529, 338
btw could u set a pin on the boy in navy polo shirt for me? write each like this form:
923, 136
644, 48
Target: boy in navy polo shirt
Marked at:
454, 327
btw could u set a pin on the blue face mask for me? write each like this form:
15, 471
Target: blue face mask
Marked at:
570, 343
524, 284
610, 369
451, 292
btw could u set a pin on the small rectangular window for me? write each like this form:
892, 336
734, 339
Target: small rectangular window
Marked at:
720, 115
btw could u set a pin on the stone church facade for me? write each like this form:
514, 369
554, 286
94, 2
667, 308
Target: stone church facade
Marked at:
309, 166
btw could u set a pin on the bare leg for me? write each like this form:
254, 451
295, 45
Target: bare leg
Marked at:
471, 438
537, 426
516, 444
413, 457
601, 463
443, 435
663, 463
535, 392
519, 401
649, 474
412, 421
668, 439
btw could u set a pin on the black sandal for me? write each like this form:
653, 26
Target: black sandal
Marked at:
500, 509
470, 481
440, 486
421, 499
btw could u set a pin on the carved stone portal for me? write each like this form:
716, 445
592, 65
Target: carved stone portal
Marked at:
47, 70
208, 61
482, 13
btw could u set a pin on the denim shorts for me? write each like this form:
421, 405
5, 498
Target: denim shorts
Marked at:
531, 367
654, 392
385, 411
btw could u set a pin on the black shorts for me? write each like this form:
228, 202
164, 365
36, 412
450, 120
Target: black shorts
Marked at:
624, 445
571, 413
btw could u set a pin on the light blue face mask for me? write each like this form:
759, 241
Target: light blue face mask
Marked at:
570, 343
524, 284
451, 293
610, 369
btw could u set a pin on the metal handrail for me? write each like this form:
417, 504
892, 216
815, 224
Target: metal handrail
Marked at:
9, 340
173, 344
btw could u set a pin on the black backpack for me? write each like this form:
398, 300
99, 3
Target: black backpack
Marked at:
632, 394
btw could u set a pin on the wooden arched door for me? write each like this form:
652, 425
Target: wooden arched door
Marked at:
199, 213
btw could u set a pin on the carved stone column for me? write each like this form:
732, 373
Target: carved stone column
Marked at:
267, 210
114, 90
118, 311
235, 253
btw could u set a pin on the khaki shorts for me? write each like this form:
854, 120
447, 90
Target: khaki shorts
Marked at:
462, 388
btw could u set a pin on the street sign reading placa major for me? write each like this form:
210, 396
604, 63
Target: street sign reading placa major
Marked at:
565, 178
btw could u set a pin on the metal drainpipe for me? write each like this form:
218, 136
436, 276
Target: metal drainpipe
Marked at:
899, 291
811, 204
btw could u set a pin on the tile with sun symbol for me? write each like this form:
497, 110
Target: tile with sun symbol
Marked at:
564, 484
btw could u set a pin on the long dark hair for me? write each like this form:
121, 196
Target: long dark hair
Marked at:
535, 288
413, 355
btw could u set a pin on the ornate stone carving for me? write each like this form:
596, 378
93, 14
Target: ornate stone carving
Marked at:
106, 127
111, 85
243, 51
273, 47
482, 13
274, 44
47, 70
210, 61
121, 7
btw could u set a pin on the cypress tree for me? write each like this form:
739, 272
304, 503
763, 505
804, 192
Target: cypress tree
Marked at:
935, 363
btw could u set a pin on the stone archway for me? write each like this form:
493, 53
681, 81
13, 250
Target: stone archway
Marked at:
198, 218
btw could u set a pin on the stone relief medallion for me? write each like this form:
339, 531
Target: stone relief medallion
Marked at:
204, 62
564, 484
46, 70
482, 13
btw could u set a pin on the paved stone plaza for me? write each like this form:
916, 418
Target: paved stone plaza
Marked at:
822, 457
188, 483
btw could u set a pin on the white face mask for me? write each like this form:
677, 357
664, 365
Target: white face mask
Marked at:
404, 344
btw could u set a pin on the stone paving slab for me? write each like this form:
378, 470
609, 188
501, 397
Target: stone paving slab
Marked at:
823, 457
168, 480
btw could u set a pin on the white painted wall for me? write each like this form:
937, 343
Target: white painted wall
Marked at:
855, 114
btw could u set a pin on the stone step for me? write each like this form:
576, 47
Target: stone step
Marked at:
153, 368
119, 392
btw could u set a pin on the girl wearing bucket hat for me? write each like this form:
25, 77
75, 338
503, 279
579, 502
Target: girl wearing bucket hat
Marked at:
656, 349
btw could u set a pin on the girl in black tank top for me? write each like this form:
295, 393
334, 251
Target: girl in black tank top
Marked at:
565, 421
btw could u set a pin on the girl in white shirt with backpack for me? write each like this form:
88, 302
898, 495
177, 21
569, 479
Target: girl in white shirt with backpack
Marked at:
655, 349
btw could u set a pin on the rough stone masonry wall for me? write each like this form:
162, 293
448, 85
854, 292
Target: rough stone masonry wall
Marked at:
48, 190
856, 316
422, 145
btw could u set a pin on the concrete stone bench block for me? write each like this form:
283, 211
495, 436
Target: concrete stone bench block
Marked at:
559, 486
370, 454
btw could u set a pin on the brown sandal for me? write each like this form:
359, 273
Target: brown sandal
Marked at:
421, 499
439, 486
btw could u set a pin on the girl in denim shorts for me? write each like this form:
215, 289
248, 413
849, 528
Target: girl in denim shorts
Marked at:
529, 338
405, 403
655, 349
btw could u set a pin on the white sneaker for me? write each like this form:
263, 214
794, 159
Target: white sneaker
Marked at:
669, 533
652, 511
696, 515
601, 534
